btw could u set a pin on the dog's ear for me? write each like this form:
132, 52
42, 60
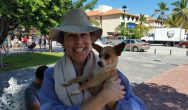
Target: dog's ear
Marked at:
119, 48
98, 48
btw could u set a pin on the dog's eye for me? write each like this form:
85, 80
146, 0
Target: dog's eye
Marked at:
100, 55
106, 56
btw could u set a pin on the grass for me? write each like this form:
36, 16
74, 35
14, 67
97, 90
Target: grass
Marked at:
29, 59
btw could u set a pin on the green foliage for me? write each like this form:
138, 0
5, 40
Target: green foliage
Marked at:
133, 33
121, 29
180, 13
40, 14
90, 5
170, 21
22, 60
44, 14
142, 20
94, 22
161, 12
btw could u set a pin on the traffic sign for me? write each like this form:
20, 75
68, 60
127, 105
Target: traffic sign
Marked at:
131, 25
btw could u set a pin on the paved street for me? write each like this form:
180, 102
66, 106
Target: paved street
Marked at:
164, 50
139, 67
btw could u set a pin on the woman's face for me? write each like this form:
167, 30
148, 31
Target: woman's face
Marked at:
77, 45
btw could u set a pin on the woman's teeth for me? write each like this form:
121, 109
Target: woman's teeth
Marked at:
79, 49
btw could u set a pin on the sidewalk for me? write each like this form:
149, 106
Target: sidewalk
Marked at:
18, 50
168, 91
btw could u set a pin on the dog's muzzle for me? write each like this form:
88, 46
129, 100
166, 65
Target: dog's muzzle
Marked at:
100, 63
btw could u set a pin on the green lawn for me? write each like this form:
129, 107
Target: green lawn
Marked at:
29, 59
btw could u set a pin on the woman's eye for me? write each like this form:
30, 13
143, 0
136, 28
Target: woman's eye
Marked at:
70, 37
83, 35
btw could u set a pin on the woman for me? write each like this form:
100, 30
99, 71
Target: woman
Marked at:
76, 36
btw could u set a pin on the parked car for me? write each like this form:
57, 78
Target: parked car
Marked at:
136, 45
116, 40
183, 44
99, 42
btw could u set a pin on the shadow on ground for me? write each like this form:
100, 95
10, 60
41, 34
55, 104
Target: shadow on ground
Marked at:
160, 97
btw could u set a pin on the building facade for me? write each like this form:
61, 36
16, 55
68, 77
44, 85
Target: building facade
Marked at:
110, 18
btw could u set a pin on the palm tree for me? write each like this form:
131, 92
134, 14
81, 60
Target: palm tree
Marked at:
161, 11
121, 29
180, 12
94, 22
142, 20
170, 21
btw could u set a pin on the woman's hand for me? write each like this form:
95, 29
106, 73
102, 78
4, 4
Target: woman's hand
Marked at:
113, 90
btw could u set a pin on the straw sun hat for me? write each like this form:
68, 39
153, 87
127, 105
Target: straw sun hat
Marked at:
75, 21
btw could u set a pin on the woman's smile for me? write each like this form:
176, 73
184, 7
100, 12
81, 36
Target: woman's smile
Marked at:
78, 50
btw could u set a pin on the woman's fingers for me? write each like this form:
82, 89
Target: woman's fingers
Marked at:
115, 89
123, 93
121, 97
118, 81
121, 87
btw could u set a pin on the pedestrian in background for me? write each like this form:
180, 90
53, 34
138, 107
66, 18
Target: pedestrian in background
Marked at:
32, 101
25, 39
44, 42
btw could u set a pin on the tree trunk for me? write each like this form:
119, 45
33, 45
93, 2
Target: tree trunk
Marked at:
4, 47
140, 28
49, 43
1, 57
1, 60
4, 28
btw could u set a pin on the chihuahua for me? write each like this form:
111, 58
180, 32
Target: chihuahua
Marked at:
108, 61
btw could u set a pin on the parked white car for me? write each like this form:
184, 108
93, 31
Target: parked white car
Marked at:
117, 40
99, 42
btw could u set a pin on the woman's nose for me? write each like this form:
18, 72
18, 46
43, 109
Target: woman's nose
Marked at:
78, 39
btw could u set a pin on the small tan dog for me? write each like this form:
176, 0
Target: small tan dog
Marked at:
108, 62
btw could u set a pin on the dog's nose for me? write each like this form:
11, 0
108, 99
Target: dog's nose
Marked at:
100, 63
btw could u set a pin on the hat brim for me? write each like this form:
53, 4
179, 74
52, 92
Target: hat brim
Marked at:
55, 33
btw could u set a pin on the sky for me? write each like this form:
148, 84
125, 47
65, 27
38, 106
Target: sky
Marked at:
137, 6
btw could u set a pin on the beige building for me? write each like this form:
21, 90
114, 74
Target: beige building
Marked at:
110, 18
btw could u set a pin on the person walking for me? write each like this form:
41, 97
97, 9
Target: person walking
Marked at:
25, 39
44, 42
40, 42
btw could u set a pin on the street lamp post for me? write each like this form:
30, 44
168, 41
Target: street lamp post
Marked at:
100, 17
124, 8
